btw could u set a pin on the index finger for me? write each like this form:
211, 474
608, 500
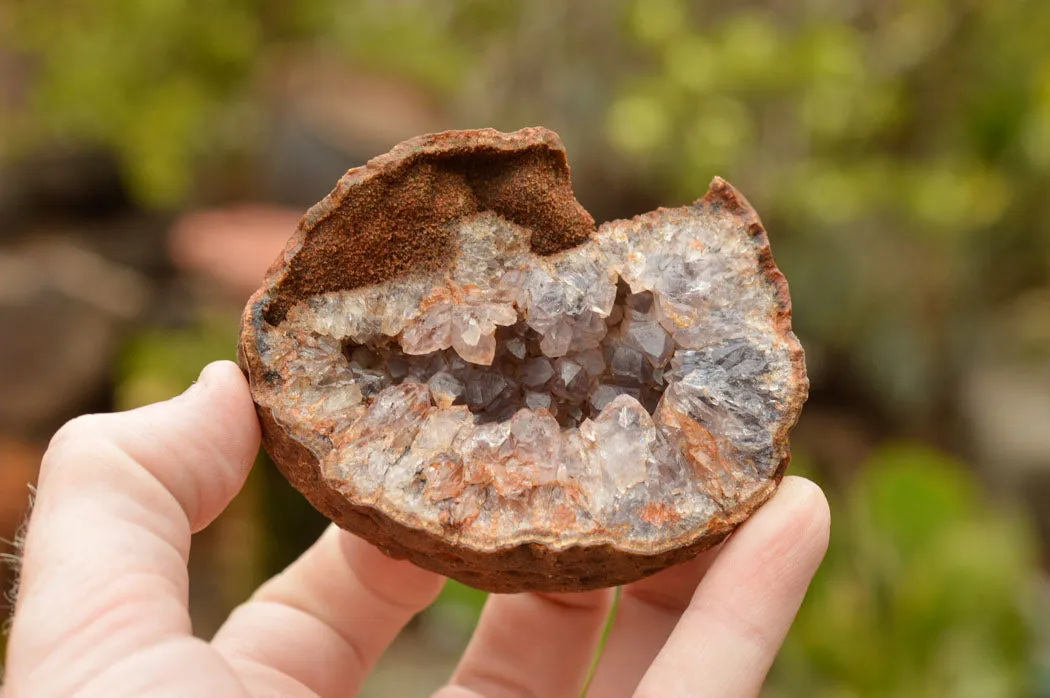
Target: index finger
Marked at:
646, 615
734, 626
104, 571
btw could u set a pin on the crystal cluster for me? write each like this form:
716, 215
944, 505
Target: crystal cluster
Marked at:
637, 383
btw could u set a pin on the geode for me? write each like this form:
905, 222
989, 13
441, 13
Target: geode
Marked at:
449, 360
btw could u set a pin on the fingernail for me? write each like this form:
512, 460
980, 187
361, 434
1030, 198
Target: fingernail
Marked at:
203, 380
800, 491
208, 373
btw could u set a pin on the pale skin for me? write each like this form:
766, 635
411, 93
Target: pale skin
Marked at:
102, 608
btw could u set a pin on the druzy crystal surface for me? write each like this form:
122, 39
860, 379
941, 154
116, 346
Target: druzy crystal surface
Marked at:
628, 394
514, 393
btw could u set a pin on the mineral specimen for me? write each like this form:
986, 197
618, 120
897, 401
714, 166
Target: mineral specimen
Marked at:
450, 361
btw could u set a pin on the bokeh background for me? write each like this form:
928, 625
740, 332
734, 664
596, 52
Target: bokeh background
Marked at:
155, 154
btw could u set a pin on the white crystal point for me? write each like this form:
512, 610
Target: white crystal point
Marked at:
398, 310
566, 301
587, 331
481, 352
467, 326
481, 451
582, 464
649, 338
588, 281
622, 433
430, 332
557, 338
474, 325
536, 440
347, 395
337, 315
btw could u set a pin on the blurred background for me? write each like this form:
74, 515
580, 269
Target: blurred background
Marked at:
155, 155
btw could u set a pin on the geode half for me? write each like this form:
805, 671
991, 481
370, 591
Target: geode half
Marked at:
451, 362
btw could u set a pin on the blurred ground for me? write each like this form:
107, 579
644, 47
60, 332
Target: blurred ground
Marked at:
153, 159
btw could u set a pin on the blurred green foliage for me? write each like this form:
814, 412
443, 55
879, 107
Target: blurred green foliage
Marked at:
155, 81
159, 363
166, 84
926, 592
458, 608
899, 152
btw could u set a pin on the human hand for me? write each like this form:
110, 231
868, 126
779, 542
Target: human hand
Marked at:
102, 604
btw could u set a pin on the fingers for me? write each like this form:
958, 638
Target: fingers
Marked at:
118, 496
647, 613
337, 607
734, 626
531, 645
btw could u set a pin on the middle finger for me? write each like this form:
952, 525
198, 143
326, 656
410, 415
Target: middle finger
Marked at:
531, 645
648, 611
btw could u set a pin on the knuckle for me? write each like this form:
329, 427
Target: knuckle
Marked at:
76, 439
77, 429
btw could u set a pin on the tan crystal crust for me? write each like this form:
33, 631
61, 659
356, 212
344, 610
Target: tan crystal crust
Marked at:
449, 361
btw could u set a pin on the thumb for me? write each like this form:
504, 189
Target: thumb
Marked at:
104, 573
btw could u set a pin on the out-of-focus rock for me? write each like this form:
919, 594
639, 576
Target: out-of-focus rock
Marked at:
1009, 413
232, 246
62, 307
327, 113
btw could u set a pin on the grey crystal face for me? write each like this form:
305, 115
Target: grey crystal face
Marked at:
725, 386
635, 383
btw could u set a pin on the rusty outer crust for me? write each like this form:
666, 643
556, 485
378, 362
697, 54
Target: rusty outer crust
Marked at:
386, 218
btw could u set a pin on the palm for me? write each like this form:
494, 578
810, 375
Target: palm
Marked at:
102, 609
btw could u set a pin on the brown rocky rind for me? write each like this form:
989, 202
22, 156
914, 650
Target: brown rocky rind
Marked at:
389, 218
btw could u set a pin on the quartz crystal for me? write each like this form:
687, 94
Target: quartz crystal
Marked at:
633, 388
